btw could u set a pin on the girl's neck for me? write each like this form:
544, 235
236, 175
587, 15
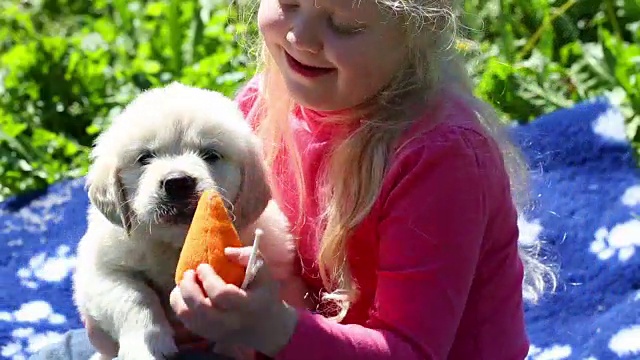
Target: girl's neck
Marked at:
322, 114
328, 122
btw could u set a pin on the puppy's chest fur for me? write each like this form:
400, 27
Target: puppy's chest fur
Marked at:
158, 268
162, 276
157, 263
142, 257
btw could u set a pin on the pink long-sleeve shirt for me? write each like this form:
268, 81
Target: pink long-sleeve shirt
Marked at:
436, 259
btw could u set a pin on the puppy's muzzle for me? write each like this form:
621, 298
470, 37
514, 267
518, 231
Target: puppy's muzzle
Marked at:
178, 200
179, 187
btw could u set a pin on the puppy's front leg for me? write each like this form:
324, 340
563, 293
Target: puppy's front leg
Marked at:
131, 312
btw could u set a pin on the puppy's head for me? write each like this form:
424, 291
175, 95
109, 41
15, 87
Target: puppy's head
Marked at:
167, 146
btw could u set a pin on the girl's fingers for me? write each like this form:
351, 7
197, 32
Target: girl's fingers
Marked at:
191, 292
279, 269
239, 255
198, 319
211, 282
222, 295
177, 302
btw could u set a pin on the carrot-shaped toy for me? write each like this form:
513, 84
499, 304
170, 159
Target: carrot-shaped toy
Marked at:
210, 232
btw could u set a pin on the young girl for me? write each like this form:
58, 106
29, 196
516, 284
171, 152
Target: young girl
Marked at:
402, 191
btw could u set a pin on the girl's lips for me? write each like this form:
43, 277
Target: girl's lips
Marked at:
306, 70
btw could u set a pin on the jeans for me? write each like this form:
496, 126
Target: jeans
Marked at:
75, 345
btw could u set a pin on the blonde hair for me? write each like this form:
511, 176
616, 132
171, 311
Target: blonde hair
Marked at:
348, 192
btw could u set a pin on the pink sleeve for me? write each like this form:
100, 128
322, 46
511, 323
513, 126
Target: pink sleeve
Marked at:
430, 234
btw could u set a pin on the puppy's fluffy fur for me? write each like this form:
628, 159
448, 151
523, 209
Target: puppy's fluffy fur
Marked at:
148, 171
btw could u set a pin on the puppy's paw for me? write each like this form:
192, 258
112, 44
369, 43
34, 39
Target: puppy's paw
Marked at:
152, 344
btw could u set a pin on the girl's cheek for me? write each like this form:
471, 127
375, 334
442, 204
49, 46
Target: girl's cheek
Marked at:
346, 55
274, 32
271, 22
339, 51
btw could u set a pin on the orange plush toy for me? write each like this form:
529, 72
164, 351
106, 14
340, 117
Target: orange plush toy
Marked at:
211, 231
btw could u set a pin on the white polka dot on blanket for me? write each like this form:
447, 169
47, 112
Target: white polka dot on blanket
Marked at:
626, 342
45, 268
32, 312
631, 196
620, 241
610, 125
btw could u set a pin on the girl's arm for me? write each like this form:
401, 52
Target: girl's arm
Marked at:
430, 238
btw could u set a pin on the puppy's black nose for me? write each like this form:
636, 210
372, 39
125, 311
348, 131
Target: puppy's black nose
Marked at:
179, 186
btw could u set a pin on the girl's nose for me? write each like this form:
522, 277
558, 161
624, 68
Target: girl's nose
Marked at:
305, 39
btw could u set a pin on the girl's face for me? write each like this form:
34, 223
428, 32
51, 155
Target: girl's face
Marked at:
333, 54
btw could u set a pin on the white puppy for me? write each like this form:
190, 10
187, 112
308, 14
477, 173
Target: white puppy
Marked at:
148, 171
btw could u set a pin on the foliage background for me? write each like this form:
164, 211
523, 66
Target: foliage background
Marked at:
68, 66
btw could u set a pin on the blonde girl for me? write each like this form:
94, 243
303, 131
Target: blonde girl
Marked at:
402, 192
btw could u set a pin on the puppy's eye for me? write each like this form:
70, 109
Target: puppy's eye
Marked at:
145, 157
210, 155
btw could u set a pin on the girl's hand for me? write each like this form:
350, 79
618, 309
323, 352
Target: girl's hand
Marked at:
278, 270
256, 318
292, 289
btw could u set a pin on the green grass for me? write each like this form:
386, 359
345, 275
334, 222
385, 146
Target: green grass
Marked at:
67, 66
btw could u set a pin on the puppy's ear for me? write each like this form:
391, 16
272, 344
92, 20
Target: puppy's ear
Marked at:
254, 192
107, 193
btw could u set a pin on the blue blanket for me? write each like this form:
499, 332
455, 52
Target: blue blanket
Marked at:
587, 193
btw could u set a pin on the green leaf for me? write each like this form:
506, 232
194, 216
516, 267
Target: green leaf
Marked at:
631, 9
